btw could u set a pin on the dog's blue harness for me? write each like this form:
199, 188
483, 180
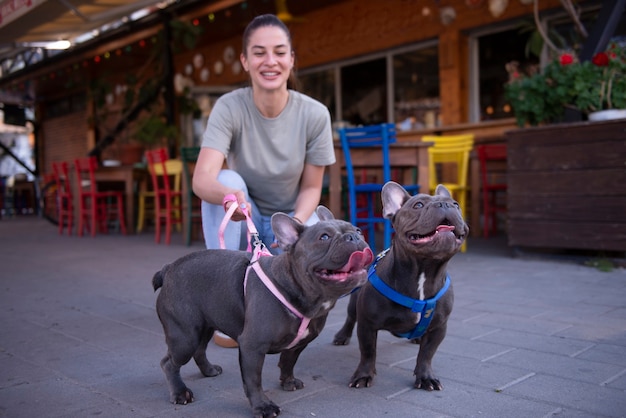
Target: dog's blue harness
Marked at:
426, 308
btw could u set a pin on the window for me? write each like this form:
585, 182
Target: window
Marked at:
321, 86
498, 54
416, 89
400, 86
364, 92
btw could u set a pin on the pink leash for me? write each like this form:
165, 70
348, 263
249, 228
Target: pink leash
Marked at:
260, 251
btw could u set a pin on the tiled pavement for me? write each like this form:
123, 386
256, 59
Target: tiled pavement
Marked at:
79, 337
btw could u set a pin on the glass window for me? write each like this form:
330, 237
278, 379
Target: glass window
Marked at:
321, 86
401, 86
416, 89
500, 54
364, 92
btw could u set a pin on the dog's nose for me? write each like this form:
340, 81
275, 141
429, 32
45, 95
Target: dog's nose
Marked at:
351, 237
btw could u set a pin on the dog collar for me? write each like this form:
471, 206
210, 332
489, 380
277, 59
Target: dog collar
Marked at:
426, 308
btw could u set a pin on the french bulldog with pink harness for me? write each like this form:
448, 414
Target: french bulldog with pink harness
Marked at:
268, 304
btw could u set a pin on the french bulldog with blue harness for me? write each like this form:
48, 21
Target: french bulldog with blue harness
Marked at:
268, 304
408, 292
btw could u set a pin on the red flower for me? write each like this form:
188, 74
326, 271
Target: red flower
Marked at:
601, 59
566, 59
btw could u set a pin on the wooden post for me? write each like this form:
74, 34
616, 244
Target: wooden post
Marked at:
453, 77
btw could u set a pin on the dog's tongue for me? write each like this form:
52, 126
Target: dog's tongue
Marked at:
359, 260
445, 228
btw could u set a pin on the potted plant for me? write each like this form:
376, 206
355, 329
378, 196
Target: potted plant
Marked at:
151, 130
566, 83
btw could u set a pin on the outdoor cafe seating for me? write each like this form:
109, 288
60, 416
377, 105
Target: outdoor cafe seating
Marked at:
96, 209
449, 165
364, 186
165, 174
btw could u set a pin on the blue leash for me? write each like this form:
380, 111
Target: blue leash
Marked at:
426, 308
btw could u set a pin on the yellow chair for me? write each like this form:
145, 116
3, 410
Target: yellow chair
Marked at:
145, 208
449, 165
146, 202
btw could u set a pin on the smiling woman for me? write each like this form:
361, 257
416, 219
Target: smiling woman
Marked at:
275, 140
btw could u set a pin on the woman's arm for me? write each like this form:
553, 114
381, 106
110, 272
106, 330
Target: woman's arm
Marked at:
310, 191
205, 184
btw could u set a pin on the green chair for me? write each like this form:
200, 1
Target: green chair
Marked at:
189, 156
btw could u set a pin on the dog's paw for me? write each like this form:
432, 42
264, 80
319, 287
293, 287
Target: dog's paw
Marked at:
211, 370
341, 339
428, 383
292, 384
182, 398
361, 382
266, 410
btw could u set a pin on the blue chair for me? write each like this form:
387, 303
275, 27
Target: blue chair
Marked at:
364, 199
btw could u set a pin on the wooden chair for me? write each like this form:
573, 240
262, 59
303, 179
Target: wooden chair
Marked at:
145, 206
365, 211
166, 181
96, 208
64, 196
189, 156
448, 164
493, 184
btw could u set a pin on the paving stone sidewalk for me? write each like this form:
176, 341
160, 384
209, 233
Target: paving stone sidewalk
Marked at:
79, 337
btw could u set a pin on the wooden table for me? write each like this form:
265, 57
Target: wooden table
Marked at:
405, 154
132, 176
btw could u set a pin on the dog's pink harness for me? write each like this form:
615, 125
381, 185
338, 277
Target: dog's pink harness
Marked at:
260, 251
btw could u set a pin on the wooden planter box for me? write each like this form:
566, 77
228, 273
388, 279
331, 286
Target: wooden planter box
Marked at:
567, 186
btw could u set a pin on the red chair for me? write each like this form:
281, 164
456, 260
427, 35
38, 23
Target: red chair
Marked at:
493, 183
96, 208
166, 182
64, 197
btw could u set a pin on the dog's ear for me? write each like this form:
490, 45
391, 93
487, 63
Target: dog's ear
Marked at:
324, 213
393, 196
441, 190
286, 230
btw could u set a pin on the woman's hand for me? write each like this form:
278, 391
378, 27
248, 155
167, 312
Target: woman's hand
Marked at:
241, 203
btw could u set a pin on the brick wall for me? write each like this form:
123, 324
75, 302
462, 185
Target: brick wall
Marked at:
65, 138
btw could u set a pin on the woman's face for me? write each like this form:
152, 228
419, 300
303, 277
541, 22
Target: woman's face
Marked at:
268, 58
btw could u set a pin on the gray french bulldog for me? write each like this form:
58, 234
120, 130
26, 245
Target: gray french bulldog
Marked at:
408, 292
214, 290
